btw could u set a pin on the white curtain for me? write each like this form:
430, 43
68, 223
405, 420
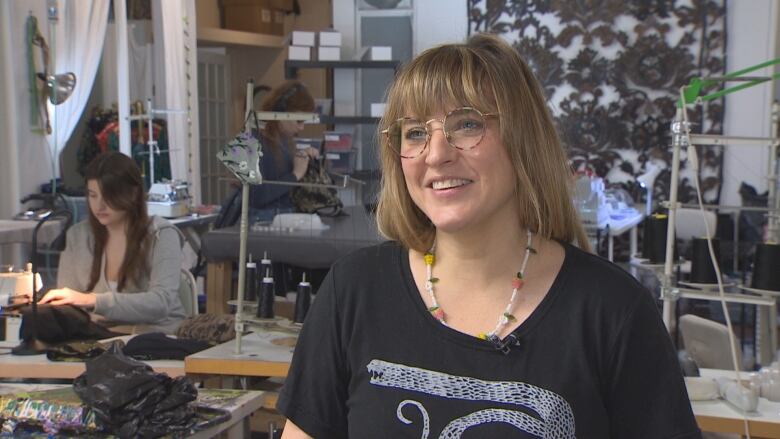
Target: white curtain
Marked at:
181, 91
76, 45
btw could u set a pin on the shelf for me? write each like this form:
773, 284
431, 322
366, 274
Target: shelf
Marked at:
355, 120
291, 66
211, 36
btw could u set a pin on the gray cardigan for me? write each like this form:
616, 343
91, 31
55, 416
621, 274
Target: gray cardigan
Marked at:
152, 304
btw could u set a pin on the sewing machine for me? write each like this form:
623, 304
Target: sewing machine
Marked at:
15, 285
169, 199
589, 199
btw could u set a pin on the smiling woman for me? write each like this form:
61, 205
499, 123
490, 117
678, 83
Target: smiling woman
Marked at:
481, 317
121, 264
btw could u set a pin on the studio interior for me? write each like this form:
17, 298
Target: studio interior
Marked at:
182, 177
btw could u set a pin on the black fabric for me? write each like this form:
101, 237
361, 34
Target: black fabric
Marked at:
593, 360
158, 346
230, 211
275, 165
61, 323
133, 401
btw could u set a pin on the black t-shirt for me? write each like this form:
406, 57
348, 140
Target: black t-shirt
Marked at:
593, 361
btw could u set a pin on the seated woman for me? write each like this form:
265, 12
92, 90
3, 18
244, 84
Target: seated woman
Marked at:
281, 161
121, 264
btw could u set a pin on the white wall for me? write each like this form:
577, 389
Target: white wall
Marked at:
752, 29
438, 22
25, 157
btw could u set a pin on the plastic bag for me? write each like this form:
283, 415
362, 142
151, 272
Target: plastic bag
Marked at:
132, 400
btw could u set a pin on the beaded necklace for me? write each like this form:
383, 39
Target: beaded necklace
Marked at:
506, 317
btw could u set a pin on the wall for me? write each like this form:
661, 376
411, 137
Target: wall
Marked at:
25, 155
750, 29
427, 31
747, 112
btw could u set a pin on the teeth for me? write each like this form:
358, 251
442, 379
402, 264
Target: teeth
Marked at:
446, 184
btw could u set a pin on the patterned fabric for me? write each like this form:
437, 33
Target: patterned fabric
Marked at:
317, 199
210, 328
612, 71
241, 155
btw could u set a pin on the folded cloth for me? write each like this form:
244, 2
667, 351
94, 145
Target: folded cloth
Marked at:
158, 346
61, 323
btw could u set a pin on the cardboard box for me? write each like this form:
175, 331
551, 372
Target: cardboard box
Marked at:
342, 162
330, 38
328, 53
282, 5
337, 141
249, 16
302, 38
299, 53
277, 26
379, 53
377, 109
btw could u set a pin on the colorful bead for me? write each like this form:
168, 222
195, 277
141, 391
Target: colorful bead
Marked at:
505, 318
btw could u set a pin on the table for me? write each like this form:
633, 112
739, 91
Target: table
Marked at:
18, 231
193, 226
618, 226
309, 249
719, 416
260, 356
240, 403
38, 366
16, 239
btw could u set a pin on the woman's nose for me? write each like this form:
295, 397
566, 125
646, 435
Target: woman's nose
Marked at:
439, 149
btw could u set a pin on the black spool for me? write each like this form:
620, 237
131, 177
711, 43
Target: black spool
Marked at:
250, 288
702, 270
766, 267
654, 245
302, 300
265, 306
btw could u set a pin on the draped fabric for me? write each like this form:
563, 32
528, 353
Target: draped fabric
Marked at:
76, 47
180, 49
612, 71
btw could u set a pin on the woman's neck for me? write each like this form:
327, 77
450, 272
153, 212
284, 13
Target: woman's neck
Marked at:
117, 230
480, 258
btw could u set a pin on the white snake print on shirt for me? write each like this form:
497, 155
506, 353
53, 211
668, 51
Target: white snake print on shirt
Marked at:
554, 415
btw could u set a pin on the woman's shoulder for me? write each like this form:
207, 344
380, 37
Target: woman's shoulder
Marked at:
371, 258
80, 231
595, 278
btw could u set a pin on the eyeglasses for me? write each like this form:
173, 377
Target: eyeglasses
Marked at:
463, 128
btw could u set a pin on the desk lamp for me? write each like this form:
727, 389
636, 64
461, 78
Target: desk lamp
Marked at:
32, 345
646, 181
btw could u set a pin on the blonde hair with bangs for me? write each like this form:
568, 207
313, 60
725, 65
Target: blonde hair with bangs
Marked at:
488, 74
